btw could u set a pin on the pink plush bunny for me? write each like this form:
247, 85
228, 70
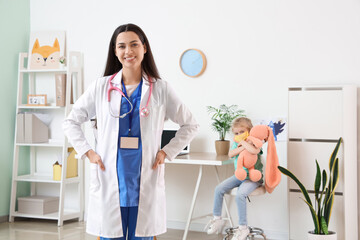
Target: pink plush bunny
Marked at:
257, 135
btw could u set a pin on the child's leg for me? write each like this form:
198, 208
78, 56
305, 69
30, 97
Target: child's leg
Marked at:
244, 190
220, 190
133, 213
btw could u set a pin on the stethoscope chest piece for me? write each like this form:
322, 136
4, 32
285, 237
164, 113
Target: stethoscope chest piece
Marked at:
144, 112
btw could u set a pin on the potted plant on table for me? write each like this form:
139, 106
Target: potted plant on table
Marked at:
222, 118
324, 196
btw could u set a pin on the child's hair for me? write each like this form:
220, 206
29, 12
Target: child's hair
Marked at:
242, 122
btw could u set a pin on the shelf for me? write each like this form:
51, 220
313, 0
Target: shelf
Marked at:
68, 214
36, 178
44, 179
51, 143
39, 107
43, 70
40, 176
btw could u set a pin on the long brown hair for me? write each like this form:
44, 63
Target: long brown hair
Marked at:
113, 65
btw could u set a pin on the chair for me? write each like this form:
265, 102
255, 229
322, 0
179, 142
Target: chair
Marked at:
254, 231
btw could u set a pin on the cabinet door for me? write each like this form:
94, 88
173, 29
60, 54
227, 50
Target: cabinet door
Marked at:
315, 114
301, 162
301, 221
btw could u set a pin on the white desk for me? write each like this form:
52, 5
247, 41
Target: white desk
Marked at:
201, 159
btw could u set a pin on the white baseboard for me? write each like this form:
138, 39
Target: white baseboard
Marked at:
199, 227
4, 218
196, 227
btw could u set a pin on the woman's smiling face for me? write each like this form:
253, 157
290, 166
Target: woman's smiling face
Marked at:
129, 50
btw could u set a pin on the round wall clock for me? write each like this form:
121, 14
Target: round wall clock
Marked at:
193, 62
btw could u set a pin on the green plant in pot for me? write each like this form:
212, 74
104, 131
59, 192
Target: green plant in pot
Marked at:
324, 191
222, 119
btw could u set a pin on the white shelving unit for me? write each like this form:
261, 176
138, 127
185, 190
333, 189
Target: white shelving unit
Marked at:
318, 116
43, 155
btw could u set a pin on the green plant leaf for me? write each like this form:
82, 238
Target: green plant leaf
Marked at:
323, 192
324, 206
317, 182
293, 177
314, 216
334, 153
330, 200
222, 118
335, 174
324, 180
328, 208
324, 226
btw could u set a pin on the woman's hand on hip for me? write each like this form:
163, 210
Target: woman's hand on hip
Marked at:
160, 159
95, 158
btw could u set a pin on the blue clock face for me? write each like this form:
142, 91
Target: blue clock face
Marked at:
192, 62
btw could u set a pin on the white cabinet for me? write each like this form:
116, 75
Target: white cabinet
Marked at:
319, 113
40, 157
317, 117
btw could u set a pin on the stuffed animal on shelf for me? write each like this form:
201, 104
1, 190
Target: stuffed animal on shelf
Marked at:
257, 135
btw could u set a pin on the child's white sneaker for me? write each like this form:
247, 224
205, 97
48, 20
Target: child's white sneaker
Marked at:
214, 226
241, 233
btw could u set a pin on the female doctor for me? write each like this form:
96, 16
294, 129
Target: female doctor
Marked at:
131, 103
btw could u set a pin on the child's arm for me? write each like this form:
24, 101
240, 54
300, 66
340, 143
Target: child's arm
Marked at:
250, 147
236, 151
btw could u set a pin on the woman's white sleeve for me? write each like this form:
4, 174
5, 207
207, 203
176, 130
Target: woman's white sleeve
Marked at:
177, 112
83, 110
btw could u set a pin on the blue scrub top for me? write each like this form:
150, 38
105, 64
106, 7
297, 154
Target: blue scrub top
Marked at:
129, 160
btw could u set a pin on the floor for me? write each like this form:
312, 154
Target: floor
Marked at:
30, 229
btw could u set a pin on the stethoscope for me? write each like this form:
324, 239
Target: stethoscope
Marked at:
144, 111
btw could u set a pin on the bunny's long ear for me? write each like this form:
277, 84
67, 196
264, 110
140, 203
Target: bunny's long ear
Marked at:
272, 173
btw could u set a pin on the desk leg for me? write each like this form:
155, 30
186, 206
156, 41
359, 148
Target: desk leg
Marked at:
225, 202
193, 203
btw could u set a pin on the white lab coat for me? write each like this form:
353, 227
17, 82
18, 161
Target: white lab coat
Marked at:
104, 217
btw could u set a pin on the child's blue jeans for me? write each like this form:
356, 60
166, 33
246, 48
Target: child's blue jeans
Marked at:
244, 189
129, 218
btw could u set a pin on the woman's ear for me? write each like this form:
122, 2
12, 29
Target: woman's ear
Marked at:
145, 49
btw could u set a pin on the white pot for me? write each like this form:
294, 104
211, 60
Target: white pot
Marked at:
330, 236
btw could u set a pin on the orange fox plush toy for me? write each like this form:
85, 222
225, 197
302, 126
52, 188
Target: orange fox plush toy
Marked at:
257, 135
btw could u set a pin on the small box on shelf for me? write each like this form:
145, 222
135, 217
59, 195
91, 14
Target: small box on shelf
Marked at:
72, 164
39, 205
60, 83
71, 169
30, 129
56, 171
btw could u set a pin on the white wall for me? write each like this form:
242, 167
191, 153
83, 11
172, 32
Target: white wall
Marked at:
254, 49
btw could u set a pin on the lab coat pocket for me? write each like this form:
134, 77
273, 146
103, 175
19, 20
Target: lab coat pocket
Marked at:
94, 178
161, 175
157, 117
